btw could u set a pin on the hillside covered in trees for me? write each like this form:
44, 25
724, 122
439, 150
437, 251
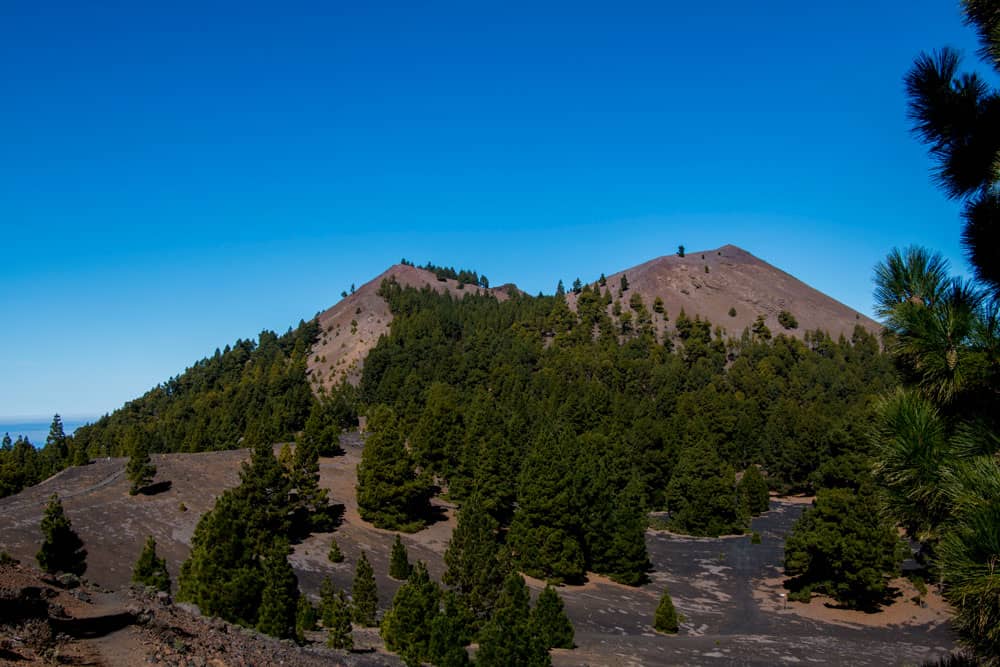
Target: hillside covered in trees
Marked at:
570, 428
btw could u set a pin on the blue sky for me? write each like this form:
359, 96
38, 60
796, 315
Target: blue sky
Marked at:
175, 177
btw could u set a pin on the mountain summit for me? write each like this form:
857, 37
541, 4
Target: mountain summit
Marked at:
728, 286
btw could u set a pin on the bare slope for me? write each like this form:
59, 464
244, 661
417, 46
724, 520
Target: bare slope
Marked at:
351, 328
735, 280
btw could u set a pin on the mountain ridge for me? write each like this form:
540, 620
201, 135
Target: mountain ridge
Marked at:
735, 280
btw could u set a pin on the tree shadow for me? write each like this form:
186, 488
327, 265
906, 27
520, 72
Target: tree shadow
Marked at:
154, 489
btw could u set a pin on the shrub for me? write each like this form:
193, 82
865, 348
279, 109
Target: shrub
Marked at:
666, 619
335, 554
787, 320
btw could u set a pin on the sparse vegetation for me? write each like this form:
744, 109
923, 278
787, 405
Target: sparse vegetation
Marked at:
150, 570
666, 619
787, 320
62, 549
335, 555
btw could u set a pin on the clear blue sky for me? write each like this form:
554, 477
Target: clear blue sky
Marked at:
173, 178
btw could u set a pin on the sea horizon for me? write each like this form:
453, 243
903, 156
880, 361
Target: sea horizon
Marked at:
36, 429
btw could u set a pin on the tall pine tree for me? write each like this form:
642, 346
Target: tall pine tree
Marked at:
390, 493
364, 593
545, 534
510, 638
279, 598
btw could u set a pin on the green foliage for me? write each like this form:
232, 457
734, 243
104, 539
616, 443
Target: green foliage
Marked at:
279, 598
787, 320
732, 311
550, 621
544, 535
472, 560
335, 555
337, 621
510, 637
406, 627
702, 497
150, 570
843, 548
680, 251
399, 561
532, 406
753, 492
225, 573
248, 388
305, 618
937, 439
139, 469
666, 619
755, 538
760, 329
62, 549
364, 593
391, 494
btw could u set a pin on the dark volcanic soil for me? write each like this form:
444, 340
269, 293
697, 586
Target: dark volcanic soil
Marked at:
720, 585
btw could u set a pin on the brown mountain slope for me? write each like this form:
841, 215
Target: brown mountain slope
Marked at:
735, 279
349, 329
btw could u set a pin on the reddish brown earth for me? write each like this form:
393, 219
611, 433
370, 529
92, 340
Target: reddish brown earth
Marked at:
735, 279
724, 587
352, 327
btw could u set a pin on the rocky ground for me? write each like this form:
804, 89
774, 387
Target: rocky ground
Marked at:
728, 589
44, 622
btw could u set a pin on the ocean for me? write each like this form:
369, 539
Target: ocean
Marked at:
37, 431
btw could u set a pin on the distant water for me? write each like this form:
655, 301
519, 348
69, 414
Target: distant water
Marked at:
37, 431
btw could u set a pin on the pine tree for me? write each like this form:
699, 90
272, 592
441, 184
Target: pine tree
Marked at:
701, 495
335, 555
406, 627
472, 560
624, 283
666, 616
150, 570
450, 633
338, 623
62, 549
223, 575
550, 621
399, 561
140, 469
545, 531
305, 618
390, 493
753, 491
626, 560
57, 442
327, 593
843, 547
364, 593
280, 595
510, 638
